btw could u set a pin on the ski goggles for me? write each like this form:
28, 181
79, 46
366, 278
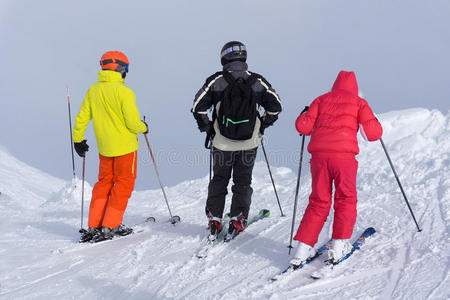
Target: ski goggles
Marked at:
237, 48
114, 61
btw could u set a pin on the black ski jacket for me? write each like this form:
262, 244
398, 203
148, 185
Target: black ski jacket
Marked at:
212, 92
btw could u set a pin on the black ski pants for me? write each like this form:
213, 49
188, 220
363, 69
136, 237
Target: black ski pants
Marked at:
240, 163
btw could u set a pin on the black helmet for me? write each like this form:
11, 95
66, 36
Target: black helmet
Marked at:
232, 51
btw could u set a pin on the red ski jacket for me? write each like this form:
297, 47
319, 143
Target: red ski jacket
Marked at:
333, 120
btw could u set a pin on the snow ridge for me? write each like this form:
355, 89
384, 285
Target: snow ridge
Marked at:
40, 259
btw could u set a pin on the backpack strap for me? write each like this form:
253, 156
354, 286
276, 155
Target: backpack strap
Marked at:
228, 77
252, 79
259, 76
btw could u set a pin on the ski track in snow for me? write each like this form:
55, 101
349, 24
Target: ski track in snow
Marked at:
41, 259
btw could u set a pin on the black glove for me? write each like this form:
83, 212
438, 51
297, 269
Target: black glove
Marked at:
81, 148
203, 122
266, 121
208, 128
146, 125
210, 133
304, 110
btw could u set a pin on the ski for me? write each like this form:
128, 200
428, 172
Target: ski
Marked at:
263, 213
209, 244
356, 246
210, 241
78, 245
137, 228
291, 268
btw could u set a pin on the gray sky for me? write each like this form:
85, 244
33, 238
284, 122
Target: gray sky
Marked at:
398, 49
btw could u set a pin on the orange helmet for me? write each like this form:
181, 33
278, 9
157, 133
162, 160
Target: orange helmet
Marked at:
115, 61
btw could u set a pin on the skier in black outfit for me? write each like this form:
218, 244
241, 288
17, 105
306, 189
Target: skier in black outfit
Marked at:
234, 139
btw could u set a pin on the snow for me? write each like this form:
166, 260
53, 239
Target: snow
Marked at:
41, 259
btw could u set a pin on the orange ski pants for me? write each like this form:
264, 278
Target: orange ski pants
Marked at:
110, 195
325, 171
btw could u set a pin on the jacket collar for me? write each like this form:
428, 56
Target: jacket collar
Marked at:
109, 76
235, 66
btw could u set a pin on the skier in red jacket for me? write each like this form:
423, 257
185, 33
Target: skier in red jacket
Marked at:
333, 120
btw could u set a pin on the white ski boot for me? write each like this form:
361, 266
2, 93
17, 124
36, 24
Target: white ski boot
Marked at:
339, 249
304, 252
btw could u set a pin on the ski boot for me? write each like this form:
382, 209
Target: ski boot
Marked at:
87, 235
122, 230
215, 227
303, 254
236, 225
339, 249
104, 234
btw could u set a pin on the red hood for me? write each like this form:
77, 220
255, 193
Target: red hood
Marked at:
346, 81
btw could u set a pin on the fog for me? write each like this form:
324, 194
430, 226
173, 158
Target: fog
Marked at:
398, 49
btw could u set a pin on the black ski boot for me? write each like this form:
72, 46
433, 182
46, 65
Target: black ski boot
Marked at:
108, 233
122, 230
104, 234
87, 235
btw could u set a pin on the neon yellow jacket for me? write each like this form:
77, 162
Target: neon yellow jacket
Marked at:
112, 107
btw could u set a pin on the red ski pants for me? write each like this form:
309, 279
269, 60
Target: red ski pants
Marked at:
323, 172
110, 195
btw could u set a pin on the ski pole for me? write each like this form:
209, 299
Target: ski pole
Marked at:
208, 145
173, 219
82, 193
271, 177
71, 139
296, 193
210, 161
400, 185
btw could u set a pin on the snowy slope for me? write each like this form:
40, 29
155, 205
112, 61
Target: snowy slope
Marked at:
41, 260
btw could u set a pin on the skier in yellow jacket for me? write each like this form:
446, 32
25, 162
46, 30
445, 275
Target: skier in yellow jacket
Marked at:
112, 107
